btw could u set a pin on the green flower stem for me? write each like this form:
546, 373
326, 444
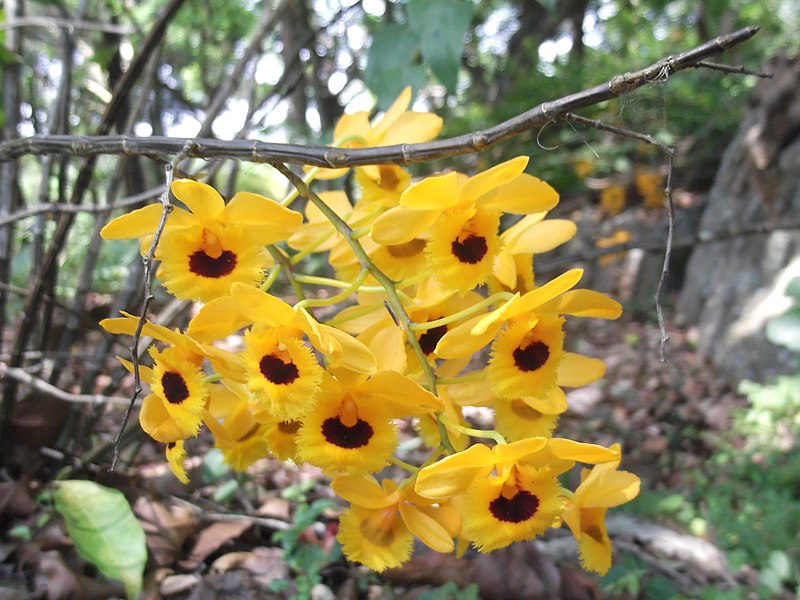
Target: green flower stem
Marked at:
212, 378
316, 280
403, 465
463, 314
272, 277
293, 193
393, 298
422, 275
344, 295
310, 249
480, 433
444, 437
474, 376
283, 260
354, 314
360, 232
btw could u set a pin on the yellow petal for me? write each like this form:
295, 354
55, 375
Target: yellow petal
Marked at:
336, 200
517, 451
403, 396
524, 195
453, 474
541, 236
488, 180
273, 222
387, 344
432, 193
498, 316
412, 128
143, 221
157, 422
426, 528
398, 107
584, 303
613, 489
400, 225
343, 350
581, 452
576, 370
534, 299
355, 124
460, 341
202, 199
362, 490
128, 324
217, 319
145, 373
260, 307
553, 403
504, 268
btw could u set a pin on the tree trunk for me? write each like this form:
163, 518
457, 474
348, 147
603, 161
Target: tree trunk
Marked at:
732, 287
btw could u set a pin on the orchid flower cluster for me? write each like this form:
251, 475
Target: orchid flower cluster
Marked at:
436, 311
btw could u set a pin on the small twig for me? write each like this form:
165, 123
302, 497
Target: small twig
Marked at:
26, 378
204, 515
57, 207
670, 153
642, 137
667, 256
737, 69
149, 273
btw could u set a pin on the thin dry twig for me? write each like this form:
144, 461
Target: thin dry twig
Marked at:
667, 256
735, 69
402, 154
670, 153
149, 273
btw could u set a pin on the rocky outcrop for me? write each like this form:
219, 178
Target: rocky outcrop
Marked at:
733, 286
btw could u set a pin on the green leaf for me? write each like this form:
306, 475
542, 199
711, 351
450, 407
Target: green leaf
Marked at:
441, 25
784, 330
101, 524
392, 63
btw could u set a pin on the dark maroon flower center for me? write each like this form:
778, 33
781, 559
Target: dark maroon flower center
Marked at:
339, 434
520, 507
277, 371
532, 356
204, 265
175, 388
429, 339
471, 250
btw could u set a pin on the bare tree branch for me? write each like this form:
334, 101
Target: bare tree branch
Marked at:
22, 376
256, 151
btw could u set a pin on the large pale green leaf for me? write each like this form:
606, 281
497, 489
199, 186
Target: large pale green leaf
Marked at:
441, 25
101, 524
392, 63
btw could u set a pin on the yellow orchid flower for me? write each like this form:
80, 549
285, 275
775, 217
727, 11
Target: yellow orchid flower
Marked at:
601, 488
513, 268
397, 125
379, 527
351, 429
278, 365
463, 216
212, 245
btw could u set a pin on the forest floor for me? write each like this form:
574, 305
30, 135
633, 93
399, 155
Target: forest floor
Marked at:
270, 533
